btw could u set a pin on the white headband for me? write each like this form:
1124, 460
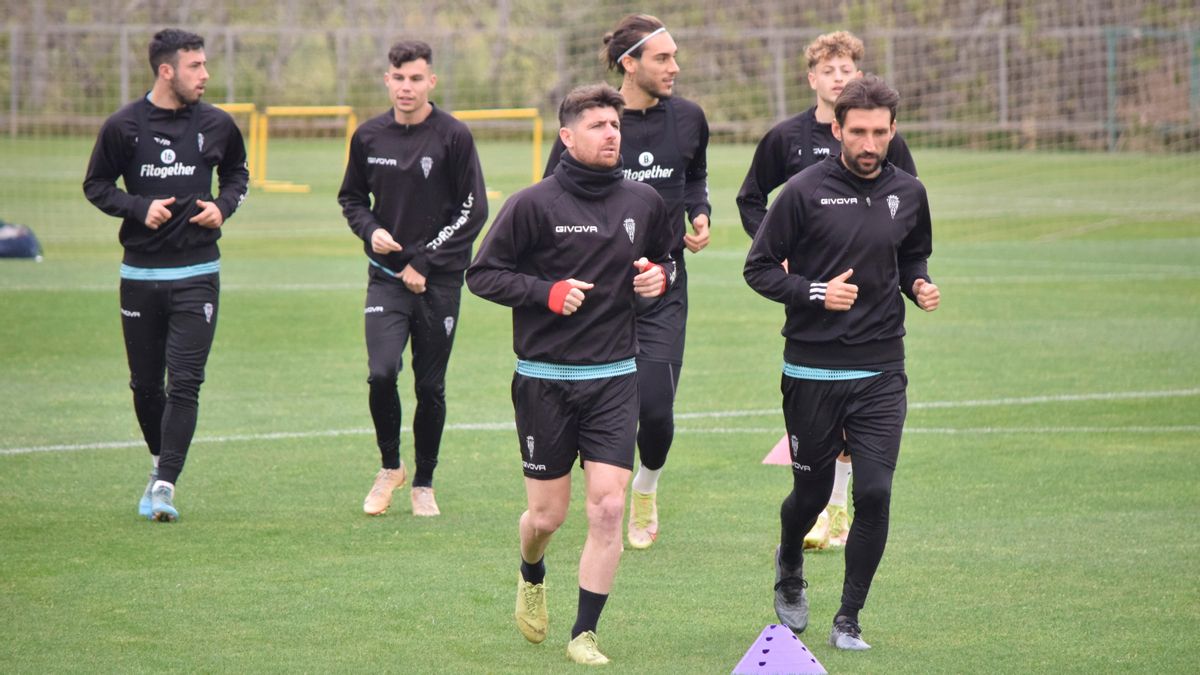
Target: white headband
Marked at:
639, 43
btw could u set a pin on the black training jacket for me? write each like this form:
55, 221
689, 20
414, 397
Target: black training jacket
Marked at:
790, 147
207, 138
666, 147
825, 221
583, 224
423, 184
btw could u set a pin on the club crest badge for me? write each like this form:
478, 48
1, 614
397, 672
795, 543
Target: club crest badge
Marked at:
529, 446
893, 203
630, 228
795, 444
167, 156
448, 322
646, 159
208, 312
427, 165
200, 142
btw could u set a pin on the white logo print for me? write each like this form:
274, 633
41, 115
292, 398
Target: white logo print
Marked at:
795, 448
133, 314
167, 156
375, 309
529, 446
630, 228
448, 322
200, 142
646, 159
382, 161
208, 312
426, 165
570, 229
893, 203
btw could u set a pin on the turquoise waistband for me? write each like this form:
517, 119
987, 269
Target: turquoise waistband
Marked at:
169, 273
557, 371
372, 261
806, 373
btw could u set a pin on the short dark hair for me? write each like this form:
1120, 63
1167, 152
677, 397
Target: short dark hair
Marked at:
586, 97
410, 50
629, 30
866, 93
166, 45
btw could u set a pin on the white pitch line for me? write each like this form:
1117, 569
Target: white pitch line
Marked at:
950, 431
721, 414
1058, 398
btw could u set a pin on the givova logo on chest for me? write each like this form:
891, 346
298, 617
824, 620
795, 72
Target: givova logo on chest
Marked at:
576, 229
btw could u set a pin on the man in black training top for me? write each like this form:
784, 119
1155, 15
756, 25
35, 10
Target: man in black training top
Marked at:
855, 234
664, 143
788, 148
414, 194
165, 146
572, 255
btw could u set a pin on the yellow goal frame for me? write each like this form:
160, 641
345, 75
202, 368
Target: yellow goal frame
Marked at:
513, 114
259, 133
264, 133
251, 137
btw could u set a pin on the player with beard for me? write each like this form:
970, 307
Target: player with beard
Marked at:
787, 149
572, 255
664, 143
855, 233
165, 146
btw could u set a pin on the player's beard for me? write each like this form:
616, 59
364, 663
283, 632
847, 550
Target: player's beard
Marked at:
855, 163
651, 86
185, 96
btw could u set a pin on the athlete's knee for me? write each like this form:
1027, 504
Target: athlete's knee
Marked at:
147, 386
185, 388
605, 511
382, 376
544, 521
872, 496
657, 416
431, 393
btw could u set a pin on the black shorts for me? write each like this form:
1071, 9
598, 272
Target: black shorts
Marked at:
559, 420
869, 412
661, 326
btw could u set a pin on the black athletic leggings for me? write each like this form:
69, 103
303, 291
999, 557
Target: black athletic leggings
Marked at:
168, 328
430, 320
657, 383
868, 535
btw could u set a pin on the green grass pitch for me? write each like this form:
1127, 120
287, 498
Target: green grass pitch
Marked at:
1040, 516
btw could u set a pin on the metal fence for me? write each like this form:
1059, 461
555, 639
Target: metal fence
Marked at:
1113, 88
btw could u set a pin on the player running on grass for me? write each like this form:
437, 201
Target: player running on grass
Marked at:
414, 193
788, 148
572, 255
855, 233
165, 146
664, 143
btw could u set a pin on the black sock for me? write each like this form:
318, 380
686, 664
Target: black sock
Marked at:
534, 573
847, 613
590, 606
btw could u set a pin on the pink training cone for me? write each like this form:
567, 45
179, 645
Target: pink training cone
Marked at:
780, 454
778, 651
